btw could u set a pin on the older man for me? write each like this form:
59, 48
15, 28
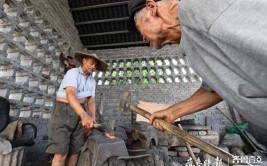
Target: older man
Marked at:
69, 116
225, 43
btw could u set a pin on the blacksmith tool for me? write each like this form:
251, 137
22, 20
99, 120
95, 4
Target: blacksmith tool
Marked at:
243, 134
107, 130
189, 150
171, 129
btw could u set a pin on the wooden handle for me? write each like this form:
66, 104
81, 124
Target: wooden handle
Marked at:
171, 129
189, 150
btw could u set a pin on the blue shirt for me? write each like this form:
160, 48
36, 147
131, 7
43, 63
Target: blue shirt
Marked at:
85, 87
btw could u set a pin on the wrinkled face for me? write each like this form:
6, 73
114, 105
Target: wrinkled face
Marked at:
157, 32
89, 65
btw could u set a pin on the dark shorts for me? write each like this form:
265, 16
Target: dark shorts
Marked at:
65, 132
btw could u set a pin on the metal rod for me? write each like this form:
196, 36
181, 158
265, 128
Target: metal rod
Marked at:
189, 150
99, 6
171, 129
101, 21
241, 132
114, 44
104, 33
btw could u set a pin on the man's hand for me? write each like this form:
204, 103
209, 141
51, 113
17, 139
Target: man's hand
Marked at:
200, 100
162, 114
87, 121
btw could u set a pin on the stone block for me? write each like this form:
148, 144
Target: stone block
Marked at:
43, 87
6, 27
7, 71
25, 113
210, 132
40, 101
19, 38
33, 82
22, 79
35, 33
48, 59
37, 68
29, 98
174, 141
14, 112
48, 30
202, 132
44, 41
13, 12
54, 78
4, 92
196, 128
183, 154
49, 103
51, 90
14, 95
24, 23
32, 47
26, 61
195, 133
36, 114
15, 56
213, 123
55, 64
180, 148
46, 71
195, 150
212, 139
51, 47
46, 115
3, 46
165, 148
172, 153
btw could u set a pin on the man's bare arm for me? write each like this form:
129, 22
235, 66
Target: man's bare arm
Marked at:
91, 107
87, 121
200, 100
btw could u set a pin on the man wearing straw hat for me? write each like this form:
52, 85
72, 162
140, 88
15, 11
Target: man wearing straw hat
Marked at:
69, 116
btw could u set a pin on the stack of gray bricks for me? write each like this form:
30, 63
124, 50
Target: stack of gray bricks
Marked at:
30, 69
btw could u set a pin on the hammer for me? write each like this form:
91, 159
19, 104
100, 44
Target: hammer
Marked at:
108, 130
171, 129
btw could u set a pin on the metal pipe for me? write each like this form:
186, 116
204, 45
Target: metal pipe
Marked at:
189, 150
103, 33
101, 21
114, 44
99, 6
241, 132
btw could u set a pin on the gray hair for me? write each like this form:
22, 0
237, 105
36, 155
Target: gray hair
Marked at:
139, 14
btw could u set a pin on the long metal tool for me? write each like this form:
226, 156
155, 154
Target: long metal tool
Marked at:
174, 130
171, 129
241, 132
189, 150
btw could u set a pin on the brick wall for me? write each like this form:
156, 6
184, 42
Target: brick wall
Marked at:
58, 14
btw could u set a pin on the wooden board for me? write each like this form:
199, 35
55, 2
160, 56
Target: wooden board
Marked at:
150, 107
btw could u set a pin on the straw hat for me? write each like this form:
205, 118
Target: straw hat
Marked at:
101, 66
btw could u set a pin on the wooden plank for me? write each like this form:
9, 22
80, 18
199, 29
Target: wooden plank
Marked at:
150, 107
